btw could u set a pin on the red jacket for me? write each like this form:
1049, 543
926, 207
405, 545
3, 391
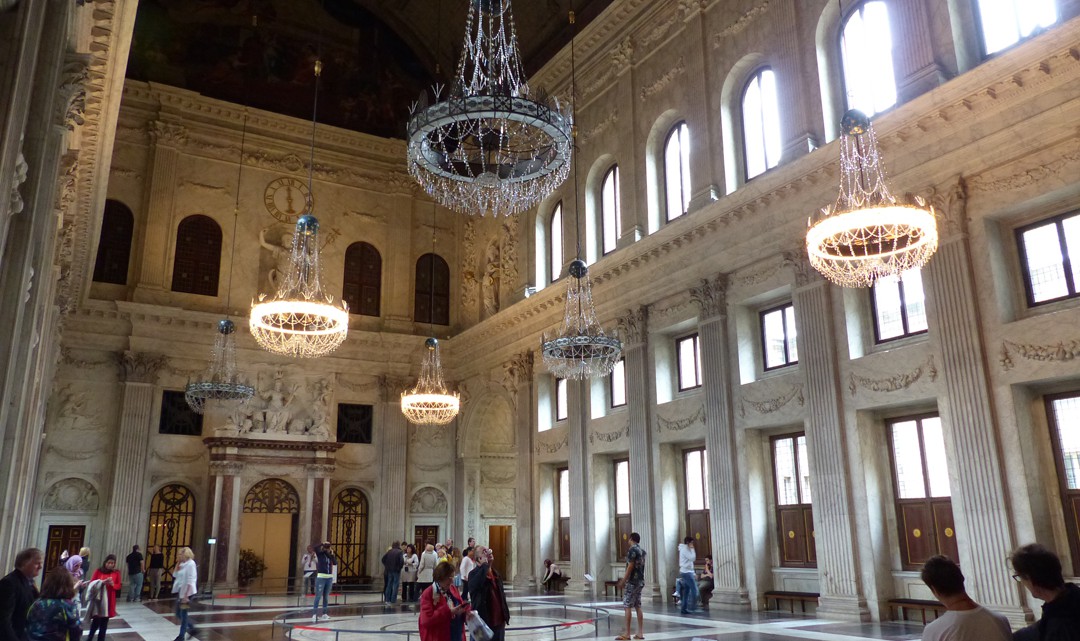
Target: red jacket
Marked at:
435, 619
114, 591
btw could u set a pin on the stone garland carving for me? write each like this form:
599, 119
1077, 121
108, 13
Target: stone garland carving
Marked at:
320, 470
633, 326
663, 81
551, 448
71, 495
609, 437
426, 464
358, 388
662, 424
711, 296
1030, 176
391, 387
1060, 353
434, 436
74, 455
358, 465
896, 382
15, 200
591, 86
176, 458
511, 231
740, 25
657, 33
71, 96
622, 56
601, 127
771, 405
470, 285
226, 468
205, 188
760, 276
497, 479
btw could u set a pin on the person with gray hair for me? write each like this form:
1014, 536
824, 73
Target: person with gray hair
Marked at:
17, 594
486, 594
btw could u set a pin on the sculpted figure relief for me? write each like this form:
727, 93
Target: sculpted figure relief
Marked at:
280, 253
276, 414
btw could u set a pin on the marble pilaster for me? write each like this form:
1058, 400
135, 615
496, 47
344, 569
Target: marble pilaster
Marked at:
225, 520
524, 410
394, 453
796, 128
699, 113
917, 71
581, 527
161, 194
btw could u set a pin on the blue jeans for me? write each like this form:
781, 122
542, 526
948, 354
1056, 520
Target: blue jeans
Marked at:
392, 582
182, 614
135, 592
322, 588
688, 594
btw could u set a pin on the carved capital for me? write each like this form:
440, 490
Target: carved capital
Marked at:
167, 133
226, 468
391, 387
711, 296
950, 205
141, 367
634, 326
804, 272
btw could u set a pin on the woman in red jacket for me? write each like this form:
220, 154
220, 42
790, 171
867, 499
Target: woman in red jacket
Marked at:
442, 611
111, 576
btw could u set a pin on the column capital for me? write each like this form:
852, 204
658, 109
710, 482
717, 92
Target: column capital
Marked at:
392, 387
804, 272
226, 468
711, 296
634, 326
170, 134
949, 200
141, 367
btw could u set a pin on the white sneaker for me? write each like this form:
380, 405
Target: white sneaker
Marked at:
314, 618
325, 617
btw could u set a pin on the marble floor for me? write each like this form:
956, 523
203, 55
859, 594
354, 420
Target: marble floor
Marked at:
360, 617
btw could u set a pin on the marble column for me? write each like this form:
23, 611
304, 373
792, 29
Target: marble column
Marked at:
166, 138
581, 527
629, 151
917, 71
393, 458
319, 475
125, 513
840, 585
700, 109
980, 498
633, 330
225, 517
792, 78
725, 517
517, 376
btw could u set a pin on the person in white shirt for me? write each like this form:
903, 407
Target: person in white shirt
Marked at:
185, 587
467, 565
964, 619
688, 592
310, 563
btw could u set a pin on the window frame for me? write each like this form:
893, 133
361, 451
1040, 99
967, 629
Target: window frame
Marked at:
360, 247
764, 343
611, 385
702, 544
1066, 261
356, 435
192, 283
844, 18
122, 228
555, 268
168, 423
980, 31
612, 171
562, 522
755, 77
557, 405
1072, 526
696, 338
878, 340
803, 508
622, 522
676, 131
434, 295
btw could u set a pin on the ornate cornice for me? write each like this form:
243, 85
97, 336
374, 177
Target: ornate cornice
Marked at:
216, 442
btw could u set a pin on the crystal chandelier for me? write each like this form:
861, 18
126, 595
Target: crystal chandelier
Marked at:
867, 234
300, 319
580, 349
428, 402
220, 381
488, 146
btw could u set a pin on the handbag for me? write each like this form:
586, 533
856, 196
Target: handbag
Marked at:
478, 628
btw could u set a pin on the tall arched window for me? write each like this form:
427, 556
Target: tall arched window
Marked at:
1006, 22
677, 170
362, 288
172, 523
761, 124
349, 532
555, 244
432, 302
610, 209
114, 244
866, 44
197, 261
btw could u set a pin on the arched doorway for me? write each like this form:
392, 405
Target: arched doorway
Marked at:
171, 527
268, 528
349, 534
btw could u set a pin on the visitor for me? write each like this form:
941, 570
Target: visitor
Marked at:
486, 594
102, 593
706, 582
185, 587
310, 566
424, 572
552, 575
77, 565
468, 563
964, 619
324, 578
17, 594
688, 592
135, 574
455, 559
54, 616
154, 571
632, 582
1039, 570
442, 609
393, 561
408, 574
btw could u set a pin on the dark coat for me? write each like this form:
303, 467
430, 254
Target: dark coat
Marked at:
17, 594
393, 561
1060, 619
480, 594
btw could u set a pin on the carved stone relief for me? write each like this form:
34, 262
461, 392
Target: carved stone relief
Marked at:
768, 406
15, 200
71, 495
680, 424
544, 447
711, 296
470, 284
74, 409
1059, 353
428, 500
498, 501
71, 97
633, 326
663, 81
609, 437
895, 382
280, 407
516, 372
740, 24
141, 367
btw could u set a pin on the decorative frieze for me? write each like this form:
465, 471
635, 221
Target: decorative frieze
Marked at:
658, 85
893, 383
609, 437
1061, 352
71, 495
774, 404
741, 24
545, 447
680, 424
428, 500
71, 95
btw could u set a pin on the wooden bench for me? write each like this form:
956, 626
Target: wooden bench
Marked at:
903, 606
802, 598
614, 585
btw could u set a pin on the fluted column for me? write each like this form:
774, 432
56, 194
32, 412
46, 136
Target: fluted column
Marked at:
161, 194
224, 520
792, 80
518, 374
393, 457
721, 443
581, 527
628, 152
644, 494
125, 515
834, 526
980, 500
700, 110
917, 71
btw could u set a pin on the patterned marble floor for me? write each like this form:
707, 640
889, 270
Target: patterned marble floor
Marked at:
550, 617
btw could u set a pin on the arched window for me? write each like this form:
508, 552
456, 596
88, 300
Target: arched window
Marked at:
349, 532
172, 523
677, 170
432, 302
761, 124
866, 44
197, 261
362, 288
555, 243
1006, 22
272, 496
610, 214
114, 244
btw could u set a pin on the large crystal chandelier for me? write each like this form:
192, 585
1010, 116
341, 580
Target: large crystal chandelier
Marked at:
488, 146
580, 349
867, 234
220, 381
300, 319
428, 402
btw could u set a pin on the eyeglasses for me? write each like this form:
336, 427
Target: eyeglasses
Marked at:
1018, 578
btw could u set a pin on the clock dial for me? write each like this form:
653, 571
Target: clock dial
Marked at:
287, 199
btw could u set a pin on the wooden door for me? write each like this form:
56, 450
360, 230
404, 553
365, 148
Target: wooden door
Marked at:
63, 537
424, 534
499, 542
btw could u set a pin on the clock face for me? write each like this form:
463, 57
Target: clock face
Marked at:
287, 199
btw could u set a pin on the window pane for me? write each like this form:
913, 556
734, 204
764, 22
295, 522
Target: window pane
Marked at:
561, 401
866, 52
804, 469
1006, 22
1042, 250
555, 234
610, 208
937, 466
677, 171
618, 384
564, 493
770, 118
787, 489
695, 498
887, 308
622, 487
1067, 425
753, 126
684, 149
914, 301
908, 460
688, 367
1071, 227
705, 475
789, 328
